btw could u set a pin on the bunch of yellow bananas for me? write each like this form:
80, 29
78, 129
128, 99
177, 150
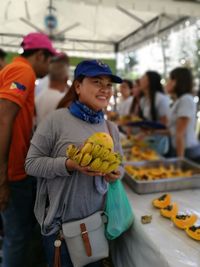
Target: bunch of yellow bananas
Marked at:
97, 152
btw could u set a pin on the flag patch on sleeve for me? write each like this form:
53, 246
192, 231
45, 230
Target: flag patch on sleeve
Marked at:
20, 88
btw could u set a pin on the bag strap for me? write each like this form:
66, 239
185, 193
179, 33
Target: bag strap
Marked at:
57, 251
109, 128
86, 240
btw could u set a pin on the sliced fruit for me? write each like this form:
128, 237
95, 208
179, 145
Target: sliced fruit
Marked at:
193, 231
162, 201
183, 221
170, 210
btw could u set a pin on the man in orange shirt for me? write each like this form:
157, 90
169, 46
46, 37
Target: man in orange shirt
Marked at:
17, 190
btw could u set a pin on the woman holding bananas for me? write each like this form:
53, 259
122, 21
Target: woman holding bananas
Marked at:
68, 188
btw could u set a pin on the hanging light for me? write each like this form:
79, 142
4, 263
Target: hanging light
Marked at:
187, 23
182, 61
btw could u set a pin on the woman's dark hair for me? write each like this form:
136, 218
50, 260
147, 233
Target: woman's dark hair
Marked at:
184, 81
136, 100
71, 95
3, 54
30, 52
154, 87
129, 83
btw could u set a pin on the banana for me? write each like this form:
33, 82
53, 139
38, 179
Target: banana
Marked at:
71, 151
95, 164
105, 153
86, 159
111, 157
114, 157
77, 158
112, 167
87, 148
104, 166
95, 150
100, 152
118, 156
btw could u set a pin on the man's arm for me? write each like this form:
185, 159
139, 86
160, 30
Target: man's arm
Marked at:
8, 113
181, 126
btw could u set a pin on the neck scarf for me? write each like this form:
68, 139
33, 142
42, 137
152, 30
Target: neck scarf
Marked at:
84, 113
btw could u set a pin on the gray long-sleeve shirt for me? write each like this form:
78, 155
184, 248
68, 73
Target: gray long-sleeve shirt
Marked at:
63, 196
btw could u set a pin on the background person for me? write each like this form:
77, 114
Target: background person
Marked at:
57, 87
17, 195
74, 192
126, 97
137, 95
3, 55
44, 82
154, 104
183, 115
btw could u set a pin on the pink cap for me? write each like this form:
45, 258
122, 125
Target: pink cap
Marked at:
37, 40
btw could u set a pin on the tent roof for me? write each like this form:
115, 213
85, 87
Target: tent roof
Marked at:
93, 25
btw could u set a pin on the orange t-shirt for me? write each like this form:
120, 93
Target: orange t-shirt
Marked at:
17, 83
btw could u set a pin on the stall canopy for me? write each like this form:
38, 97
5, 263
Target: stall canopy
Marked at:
104, 26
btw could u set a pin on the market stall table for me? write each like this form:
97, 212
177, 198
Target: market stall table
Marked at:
159, 243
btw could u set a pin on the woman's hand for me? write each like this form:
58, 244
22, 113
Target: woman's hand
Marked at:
113, 176
73, 166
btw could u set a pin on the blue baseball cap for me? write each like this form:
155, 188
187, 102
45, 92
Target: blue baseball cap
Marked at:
92, 68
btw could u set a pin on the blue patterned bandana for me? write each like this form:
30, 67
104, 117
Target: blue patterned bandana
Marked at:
84, 113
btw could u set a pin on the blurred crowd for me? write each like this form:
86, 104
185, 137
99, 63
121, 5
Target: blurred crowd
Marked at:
170, 107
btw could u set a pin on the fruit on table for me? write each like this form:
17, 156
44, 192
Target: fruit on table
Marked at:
162, 201
155, 173
193, 231
146, 219
185, 220
131, 141
97, 152
169, 211
143, 153
128, 118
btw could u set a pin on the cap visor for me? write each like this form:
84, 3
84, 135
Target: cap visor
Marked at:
115, 79
53, 52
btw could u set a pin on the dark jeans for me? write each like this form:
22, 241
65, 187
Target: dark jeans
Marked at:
18, 222
65, 258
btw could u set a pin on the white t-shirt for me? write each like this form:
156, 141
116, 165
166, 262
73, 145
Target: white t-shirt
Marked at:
46, 102
42, 83
124, 106
162, 102
184, 107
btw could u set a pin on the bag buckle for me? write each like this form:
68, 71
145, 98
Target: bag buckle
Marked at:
86, 240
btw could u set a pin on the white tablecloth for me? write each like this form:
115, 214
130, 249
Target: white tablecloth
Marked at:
160, 243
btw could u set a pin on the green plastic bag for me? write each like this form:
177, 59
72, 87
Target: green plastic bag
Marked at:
118, 210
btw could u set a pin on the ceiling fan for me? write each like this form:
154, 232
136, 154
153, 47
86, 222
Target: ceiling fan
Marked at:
51, 22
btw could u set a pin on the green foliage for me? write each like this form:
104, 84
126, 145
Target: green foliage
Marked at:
10, 56
111, 62
73, 61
